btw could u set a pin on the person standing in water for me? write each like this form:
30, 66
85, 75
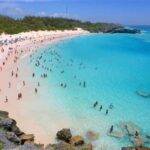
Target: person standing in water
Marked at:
111, 106
12, 73
23, 83
33, 75
9, 85
19, 96
6, 99
35, 90
111, 129
95, 104
100, 108
16, 75
106, 112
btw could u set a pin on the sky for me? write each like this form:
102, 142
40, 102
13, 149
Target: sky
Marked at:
128, 12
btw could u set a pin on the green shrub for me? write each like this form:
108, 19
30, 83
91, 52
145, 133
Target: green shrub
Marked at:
28, 23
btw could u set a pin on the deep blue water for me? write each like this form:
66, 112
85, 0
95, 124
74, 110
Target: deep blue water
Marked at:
113, 67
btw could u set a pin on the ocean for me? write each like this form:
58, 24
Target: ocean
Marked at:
107, 68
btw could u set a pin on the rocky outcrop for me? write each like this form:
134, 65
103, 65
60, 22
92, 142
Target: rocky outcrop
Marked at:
131, 131
77, 140
28, 138
3, 114
60, 146
7, 123
124, 30
69, 142
117, 132
66, 146
143, 94
64, 135
130, 128
11, 137
135, 148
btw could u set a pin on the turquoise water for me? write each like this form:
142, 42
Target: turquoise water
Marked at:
114, 67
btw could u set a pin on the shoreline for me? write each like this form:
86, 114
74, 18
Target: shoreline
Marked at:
12, 137
31, 120
11, 86
33, 37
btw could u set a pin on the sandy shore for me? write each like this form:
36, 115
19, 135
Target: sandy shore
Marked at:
14, 90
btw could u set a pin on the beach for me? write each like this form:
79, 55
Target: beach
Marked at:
15, 87
84, 82
74, 75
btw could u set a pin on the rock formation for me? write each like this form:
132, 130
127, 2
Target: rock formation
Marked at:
11, 137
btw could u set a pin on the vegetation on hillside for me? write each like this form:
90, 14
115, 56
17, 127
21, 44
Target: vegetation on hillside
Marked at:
28, 23
1, 145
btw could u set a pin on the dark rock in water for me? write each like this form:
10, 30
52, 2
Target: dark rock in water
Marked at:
146, 138
127, 148
123, 30
77, 140
143, 94
135, 148
137, 141
130, 128
64, 135
92, 136
117, 132
3, 114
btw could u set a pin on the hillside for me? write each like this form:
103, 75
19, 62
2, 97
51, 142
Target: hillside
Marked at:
11, 26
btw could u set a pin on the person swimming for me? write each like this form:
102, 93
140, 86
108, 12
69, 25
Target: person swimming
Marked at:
106, 112
84, 84
33, 75
111, 106
95, 104
136, 134
79, 83
62, 71
65, 85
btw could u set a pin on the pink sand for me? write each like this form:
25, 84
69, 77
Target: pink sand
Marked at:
18, 108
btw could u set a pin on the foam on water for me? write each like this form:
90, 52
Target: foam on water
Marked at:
114, 67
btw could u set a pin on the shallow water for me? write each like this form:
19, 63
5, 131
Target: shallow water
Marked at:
113, 67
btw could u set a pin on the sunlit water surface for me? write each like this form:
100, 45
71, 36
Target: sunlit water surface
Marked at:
113, 67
